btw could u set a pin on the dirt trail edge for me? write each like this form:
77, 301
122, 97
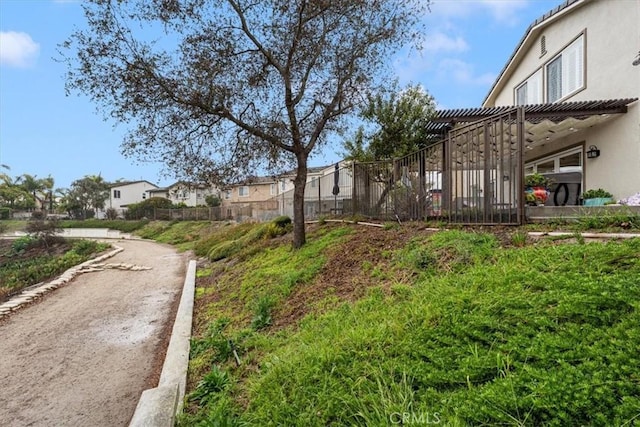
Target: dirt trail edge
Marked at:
84, 353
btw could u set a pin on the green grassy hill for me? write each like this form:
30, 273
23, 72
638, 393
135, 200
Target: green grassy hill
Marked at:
403, 325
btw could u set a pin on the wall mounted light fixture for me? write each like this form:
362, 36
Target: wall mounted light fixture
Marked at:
593, 152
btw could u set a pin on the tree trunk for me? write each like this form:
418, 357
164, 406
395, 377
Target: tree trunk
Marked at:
299, 183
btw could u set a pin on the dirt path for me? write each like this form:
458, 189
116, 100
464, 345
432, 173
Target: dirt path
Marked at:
83, 354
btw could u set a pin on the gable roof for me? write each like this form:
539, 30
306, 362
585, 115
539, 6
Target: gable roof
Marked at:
532, 31
125, 183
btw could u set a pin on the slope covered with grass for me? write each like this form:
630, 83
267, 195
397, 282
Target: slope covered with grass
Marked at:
377, 327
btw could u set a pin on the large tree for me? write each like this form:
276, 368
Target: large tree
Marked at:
217, 89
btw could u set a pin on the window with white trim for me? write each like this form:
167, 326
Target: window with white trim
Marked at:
116, 194
567, 161
243, 191
530, 92
272, 189
227, 194
565, 72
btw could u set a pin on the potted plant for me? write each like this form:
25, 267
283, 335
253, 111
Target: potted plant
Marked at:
597, 197
536, 189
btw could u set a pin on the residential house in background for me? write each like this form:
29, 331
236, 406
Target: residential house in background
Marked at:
186, 193
122, 194
255, 189
585, 50
576, 72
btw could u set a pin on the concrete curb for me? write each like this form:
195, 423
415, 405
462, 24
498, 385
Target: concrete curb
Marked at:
585, 235
159, 406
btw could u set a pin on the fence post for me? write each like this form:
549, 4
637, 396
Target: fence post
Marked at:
520, 188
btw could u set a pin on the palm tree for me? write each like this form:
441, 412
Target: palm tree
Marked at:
11, 191
39, 188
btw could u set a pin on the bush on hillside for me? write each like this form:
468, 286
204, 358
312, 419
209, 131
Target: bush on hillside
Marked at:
146, 208
44, 231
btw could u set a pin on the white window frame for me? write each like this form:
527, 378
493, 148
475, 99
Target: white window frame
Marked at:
243, 191
556, 160
532, 88
272, 189
572, 67
227, 194
116, 194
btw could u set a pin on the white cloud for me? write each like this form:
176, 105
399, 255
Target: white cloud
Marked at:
18, 49
440, 42
463, 73
411, 66
504, 12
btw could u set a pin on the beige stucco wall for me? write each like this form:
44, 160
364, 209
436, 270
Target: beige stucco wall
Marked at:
257, 193
612, 41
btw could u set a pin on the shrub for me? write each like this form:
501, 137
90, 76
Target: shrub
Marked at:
85, 247
282, 221
5, 213
3, 228
21, 244
212, 201
146, 208
44, 231
38, 215
536, 180
596, 194
111, 213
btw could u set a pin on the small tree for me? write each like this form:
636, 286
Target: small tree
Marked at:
212, 201
111, 213
45, 231
396, 122
236, 85
395, 126
86, 196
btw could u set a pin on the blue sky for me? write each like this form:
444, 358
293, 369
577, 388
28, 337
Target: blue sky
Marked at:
44, 132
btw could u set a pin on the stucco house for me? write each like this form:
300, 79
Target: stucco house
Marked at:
576, 74
255, 189
188, 193
122, 194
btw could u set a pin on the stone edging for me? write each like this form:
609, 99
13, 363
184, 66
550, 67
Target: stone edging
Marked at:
33, 293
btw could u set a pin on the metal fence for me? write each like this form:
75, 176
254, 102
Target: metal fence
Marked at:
484, 170
330, 194
474, 176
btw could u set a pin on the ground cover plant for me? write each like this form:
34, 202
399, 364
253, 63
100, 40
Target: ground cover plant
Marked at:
26, 261
375, 326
